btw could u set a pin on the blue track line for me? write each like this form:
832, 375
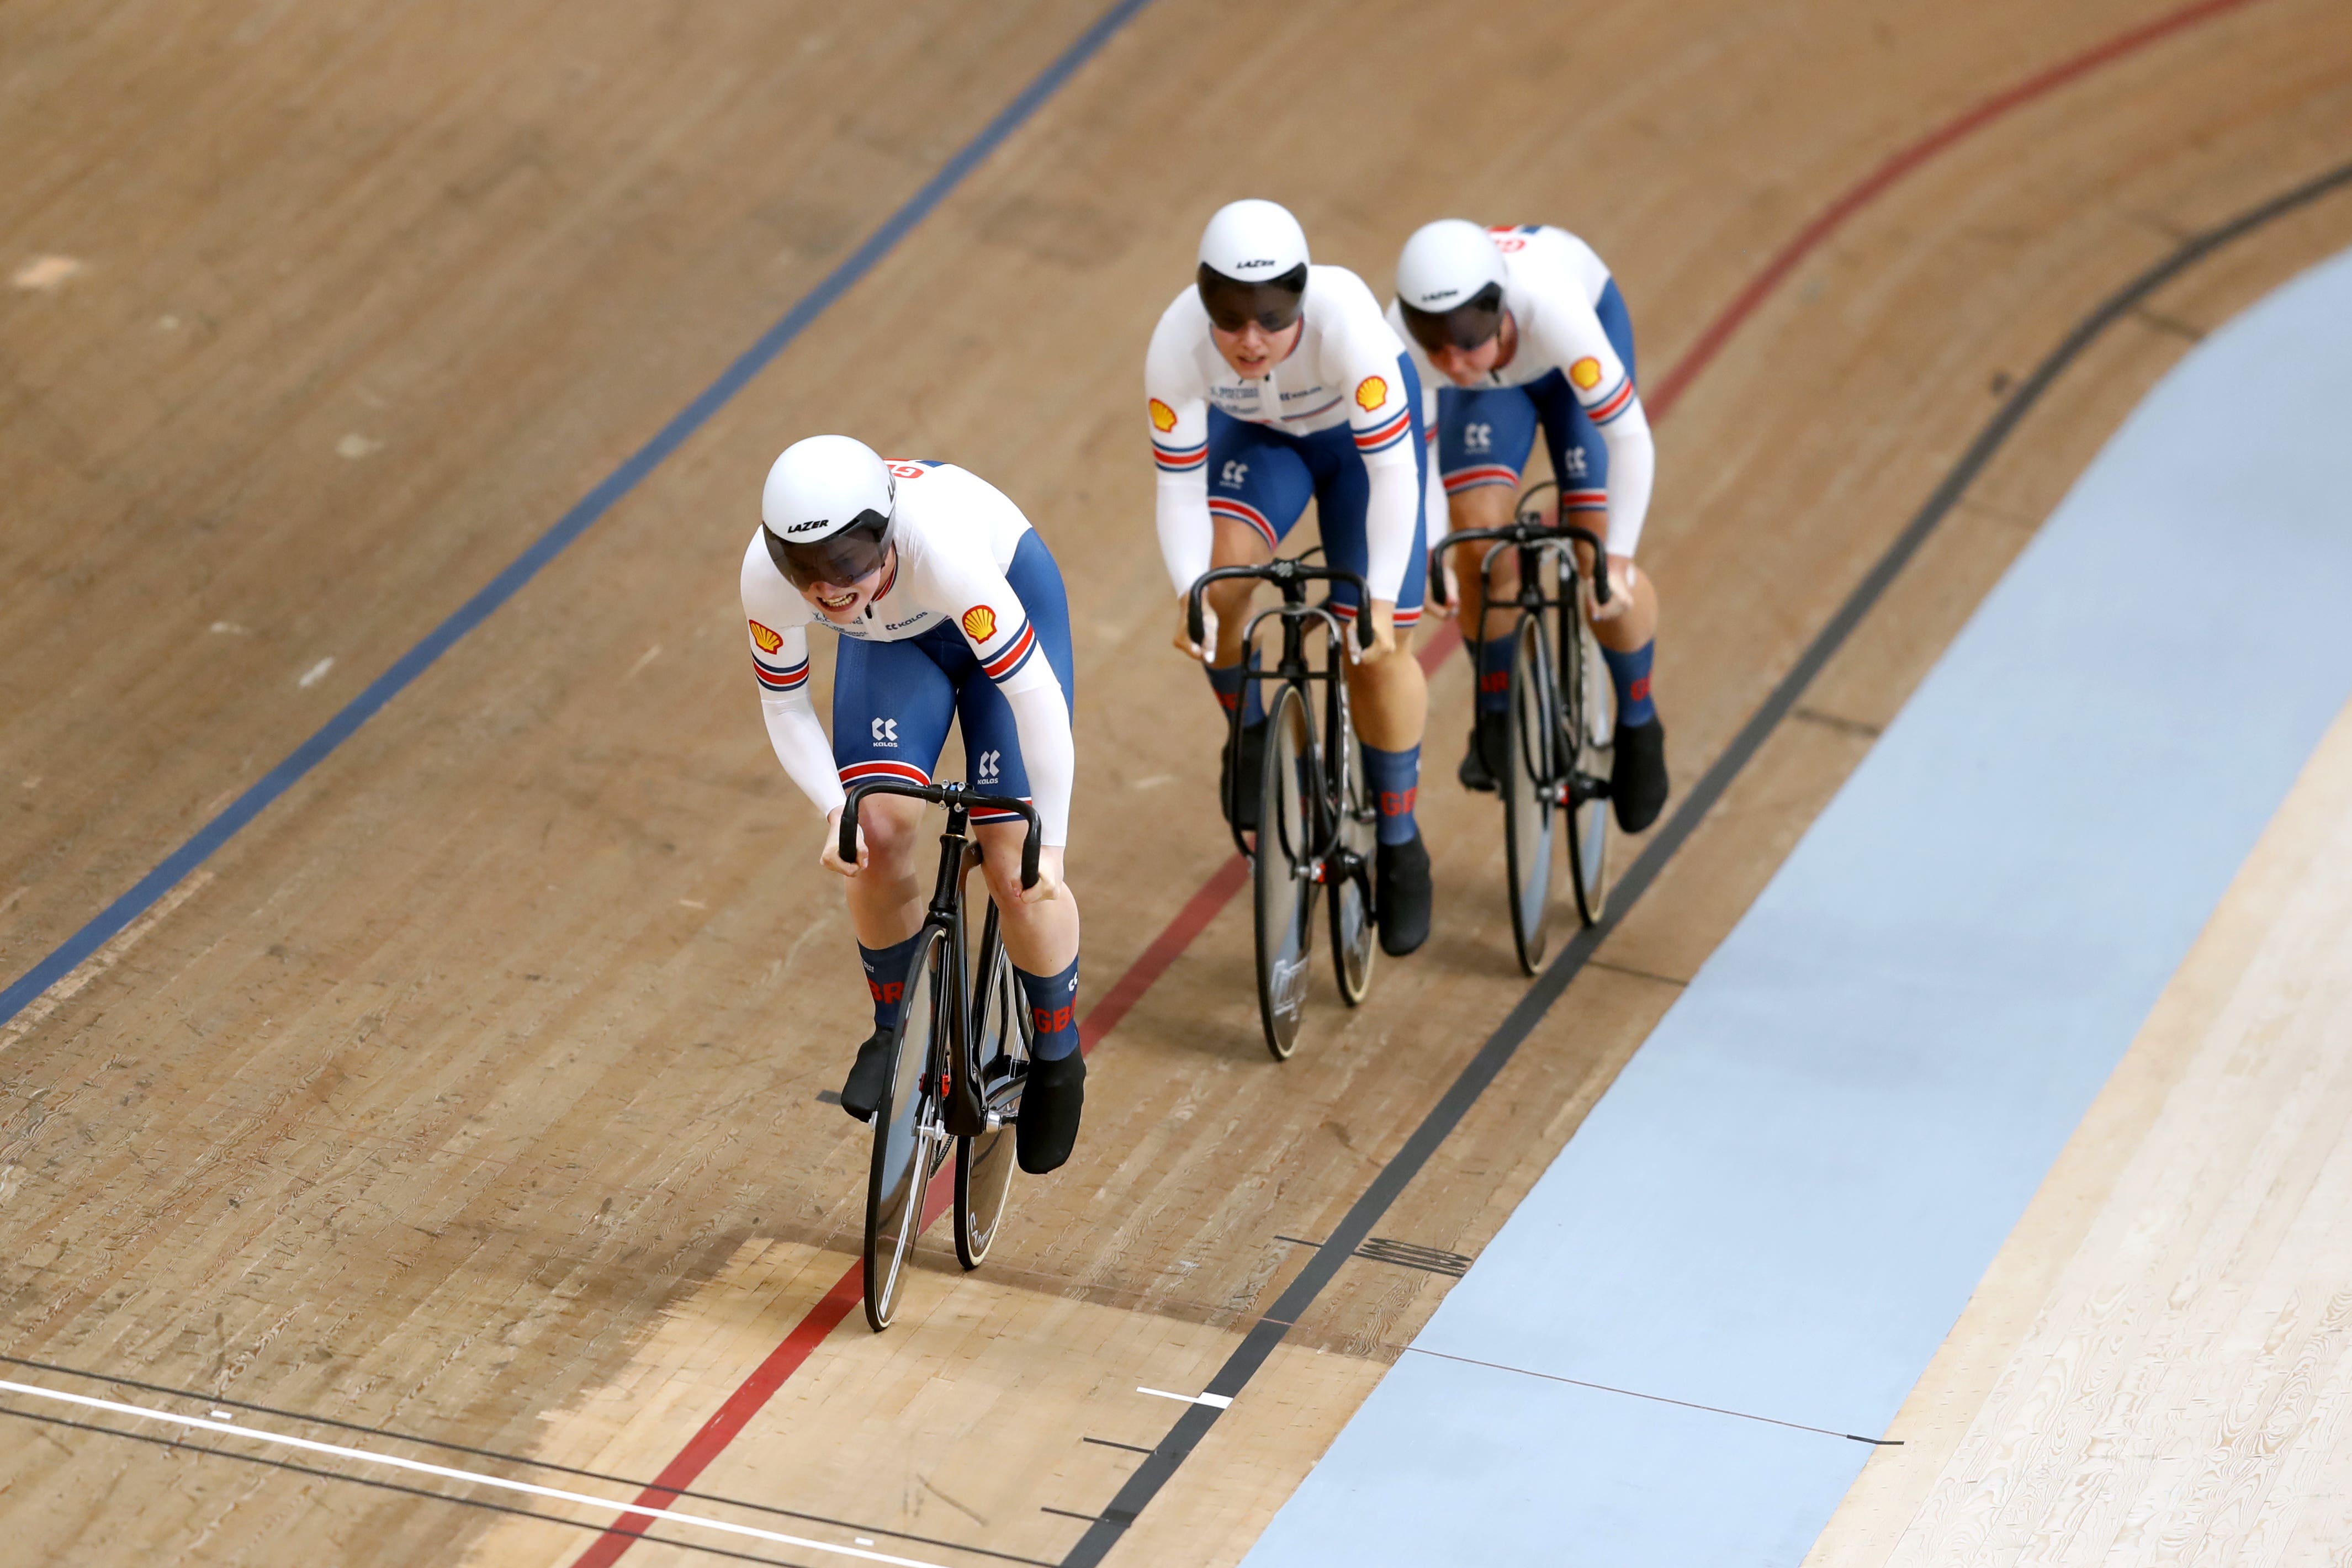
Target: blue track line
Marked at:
568, 527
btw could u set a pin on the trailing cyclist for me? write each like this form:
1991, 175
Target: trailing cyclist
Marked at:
1529, 327
1271, 382
949, 608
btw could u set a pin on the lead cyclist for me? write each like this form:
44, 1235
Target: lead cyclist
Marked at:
949, 607
1529, 329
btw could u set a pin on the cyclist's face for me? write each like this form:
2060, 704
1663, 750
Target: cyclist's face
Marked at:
1254, 351
1466, 367
842, 602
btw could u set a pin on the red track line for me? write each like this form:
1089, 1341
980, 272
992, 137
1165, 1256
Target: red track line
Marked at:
1233, 873
838, 1303
1702, 352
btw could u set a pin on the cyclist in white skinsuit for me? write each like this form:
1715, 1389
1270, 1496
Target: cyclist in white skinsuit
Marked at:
1269, 383
950, 610
1521, 328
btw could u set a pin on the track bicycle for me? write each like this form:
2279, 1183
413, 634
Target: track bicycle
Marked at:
957, 1062
1316, 821
1563, 716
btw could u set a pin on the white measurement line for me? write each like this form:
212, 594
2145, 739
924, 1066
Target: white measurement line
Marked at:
476, 1477
1214, 1401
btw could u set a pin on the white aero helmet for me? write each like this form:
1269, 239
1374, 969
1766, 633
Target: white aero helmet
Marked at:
1253, 266
1450, 282
828, 512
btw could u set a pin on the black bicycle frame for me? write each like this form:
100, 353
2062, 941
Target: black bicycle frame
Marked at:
959, 1076
1533, 537
1291, 576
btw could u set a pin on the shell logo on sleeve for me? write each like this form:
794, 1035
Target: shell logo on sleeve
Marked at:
1585, 372
1163, 418
769, 641
1370, 393
980, 623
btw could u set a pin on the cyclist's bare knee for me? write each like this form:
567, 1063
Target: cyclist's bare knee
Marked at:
1486, 506
892, 826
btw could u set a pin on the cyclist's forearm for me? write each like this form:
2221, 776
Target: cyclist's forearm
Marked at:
1389, 518
1042, 716
1632, 469
801, 746
1185, 534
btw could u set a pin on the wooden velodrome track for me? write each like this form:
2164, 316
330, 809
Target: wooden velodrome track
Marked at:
469, 1092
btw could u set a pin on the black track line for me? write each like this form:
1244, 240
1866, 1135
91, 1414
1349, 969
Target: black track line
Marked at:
1352, 1229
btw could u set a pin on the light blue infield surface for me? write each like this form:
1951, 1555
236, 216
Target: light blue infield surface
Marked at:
1786, 1199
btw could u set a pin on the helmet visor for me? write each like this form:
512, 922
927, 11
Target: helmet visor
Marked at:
1464, 327
841, 558
1233, 304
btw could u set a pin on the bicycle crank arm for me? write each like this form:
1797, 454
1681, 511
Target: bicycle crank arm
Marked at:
1580, 788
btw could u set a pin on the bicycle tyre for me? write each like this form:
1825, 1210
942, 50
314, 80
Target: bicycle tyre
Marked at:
907, 1129
1588, 743
1284, 898
1530, 769
1354, 933
1003, 1034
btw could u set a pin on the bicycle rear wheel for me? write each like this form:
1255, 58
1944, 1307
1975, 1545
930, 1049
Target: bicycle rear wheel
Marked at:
1003, 1032
1285, 898
1587, 744
908, 1130
1530, 766
1358, 826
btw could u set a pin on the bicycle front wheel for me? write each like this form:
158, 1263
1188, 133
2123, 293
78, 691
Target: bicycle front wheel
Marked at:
908, 1132
1588, 745
1285, 898
1530, 770
1358, 826
1003, 1033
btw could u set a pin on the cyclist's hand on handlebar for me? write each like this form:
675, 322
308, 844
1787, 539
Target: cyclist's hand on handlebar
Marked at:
1621, 590
1384, 638
831, 859
1049, 878
1183, 640
1445, 604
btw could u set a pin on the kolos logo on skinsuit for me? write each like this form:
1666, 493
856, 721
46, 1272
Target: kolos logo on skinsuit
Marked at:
769, 641
1370, 393
1163, 418
1585, 372
980, 623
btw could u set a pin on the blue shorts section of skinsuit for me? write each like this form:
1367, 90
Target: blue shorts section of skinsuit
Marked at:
1266, 476
1485, 433
892, 702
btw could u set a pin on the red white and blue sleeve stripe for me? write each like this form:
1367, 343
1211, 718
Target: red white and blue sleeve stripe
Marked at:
1179, 459
1009, 659
1380, 437
780, 678
1615, 403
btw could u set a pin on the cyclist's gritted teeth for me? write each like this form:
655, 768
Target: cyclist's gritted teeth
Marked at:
845, 599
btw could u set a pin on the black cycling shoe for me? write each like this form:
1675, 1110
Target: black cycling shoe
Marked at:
1637, 779
1051, 1103
869, 1077
1482, 762
1241, 812
1401, 893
